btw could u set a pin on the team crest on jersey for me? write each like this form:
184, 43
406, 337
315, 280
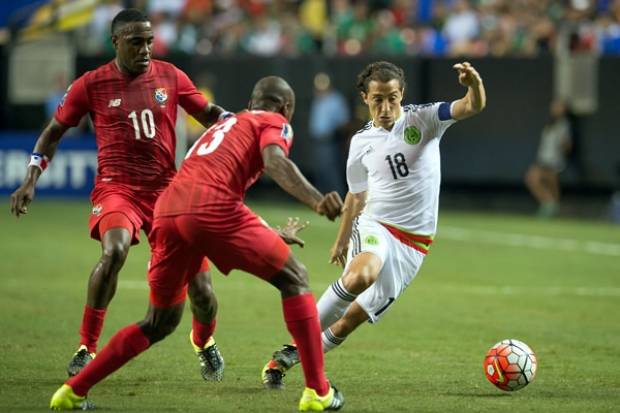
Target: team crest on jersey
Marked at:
287, 131
64, 97
371, 240
97, 209
161, 96
412, 135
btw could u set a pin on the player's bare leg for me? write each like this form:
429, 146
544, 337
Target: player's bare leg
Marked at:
338, 332
126, 344
360, 274
302, 322
102, 284
203, 303
542, 184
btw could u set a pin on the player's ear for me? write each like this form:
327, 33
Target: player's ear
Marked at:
364, 96
114, 38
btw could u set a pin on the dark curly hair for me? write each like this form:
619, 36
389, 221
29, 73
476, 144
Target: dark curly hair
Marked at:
382, 72
127, 16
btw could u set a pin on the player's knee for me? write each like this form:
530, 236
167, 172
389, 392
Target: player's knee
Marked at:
357, 280
157, 330
292, 280
115, 253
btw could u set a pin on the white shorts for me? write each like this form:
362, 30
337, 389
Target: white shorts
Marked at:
400, 265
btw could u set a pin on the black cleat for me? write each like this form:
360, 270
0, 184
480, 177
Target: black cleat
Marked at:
211, 360
287, 356
274, 371
80, 359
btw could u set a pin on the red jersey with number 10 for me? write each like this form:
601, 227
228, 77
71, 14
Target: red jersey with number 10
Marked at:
224, 163
134, 118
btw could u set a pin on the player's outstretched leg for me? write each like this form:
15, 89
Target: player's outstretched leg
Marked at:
301, 317
101, 287
123, 346
204, 308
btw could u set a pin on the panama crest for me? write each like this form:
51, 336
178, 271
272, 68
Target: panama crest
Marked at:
97, 209
161, 96
412, 135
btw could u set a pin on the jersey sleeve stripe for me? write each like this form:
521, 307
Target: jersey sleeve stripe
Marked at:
444, 111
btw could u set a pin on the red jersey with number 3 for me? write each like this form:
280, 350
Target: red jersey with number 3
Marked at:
223, 164
134, 119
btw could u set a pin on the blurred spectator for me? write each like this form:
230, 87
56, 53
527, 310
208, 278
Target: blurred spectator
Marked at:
263, 39
353, 27
329, 115
542, 177
576, 75
461, 28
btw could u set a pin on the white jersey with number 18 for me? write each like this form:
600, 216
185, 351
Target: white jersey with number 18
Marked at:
401, 168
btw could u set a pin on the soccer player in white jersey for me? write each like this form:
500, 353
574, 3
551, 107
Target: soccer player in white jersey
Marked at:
390, 213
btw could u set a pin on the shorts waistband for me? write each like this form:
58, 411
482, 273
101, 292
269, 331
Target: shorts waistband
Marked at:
418, 242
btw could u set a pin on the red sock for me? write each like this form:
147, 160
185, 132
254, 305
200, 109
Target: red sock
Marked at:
201, 332
125, 345
90, 330
302, 321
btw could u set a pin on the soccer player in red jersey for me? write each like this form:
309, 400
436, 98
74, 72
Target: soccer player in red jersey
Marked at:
132, 102
202, 213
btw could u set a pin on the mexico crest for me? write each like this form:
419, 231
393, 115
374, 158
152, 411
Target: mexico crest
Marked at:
412, 135
161, 96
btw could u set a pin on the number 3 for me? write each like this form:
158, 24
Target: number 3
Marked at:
218, 136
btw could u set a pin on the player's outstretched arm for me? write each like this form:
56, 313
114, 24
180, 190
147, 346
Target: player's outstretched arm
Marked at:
44, 151
209, 115
476, 99
286, 174
353, 206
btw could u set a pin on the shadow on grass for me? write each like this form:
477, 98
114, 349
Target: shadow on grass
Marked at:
480, 394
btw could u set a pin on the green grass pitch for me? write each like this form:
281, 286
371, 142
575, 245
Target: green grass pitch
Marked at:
554, 285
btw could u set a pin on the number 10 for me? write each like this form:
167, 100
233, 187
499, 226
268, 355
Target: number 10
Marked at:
148, 123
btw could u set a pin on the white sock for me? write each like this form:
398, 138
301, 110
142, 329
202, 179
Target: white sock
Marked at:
330, 341
333, 304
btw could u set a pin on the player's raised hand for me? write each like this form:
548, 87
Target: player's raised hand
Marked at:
21, 198
330, 205
338, 253
468, 76
289, 232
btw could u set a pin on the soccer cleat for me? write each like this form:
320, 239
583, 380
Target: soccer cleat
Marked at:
272, 375
66, 399
312, 402
80, 359
274, 371
287, 356
211, 361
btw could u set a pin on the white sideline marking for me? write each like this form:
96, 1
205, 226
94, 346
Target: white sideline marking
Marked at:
133, 284
531, 241
546, 291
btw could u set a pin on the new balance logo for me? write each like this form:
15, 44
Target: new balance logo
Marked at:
114, 103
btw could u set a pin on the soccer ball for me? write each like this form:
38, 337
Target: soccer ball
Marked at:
510, 365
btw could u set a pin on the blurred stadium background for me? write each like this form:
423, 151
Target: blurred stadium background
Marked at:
528, 51
495, 271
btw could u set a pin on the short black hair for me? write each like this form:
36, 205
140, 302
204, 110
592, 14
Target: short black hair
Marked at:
127, 16
382, 72
271, 93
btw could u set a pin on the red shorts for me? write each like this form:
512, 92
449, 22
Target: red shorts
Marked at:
181, 241
136, 206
